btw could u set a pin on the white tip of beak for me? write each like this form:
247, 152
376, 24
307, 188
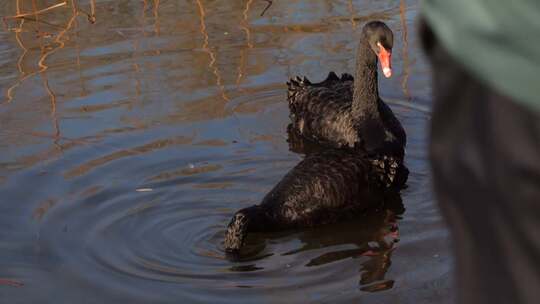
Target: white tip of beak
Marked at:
387, 72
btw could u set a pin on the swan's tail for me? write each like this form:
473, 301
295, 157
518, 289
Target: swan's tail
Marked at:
401, 177
392, 173
294, 88
298, 84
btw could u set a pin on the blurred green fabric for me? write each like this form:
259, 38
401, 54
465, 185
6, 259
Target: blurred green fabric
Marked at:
496, 41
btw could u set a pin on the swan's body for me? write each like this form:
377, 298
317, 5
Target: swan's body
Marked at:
323, 113
323, 188
327, 186
348, 112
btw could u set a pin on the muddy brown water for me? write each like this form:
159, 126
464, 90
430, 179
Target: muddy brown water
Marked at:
127, 144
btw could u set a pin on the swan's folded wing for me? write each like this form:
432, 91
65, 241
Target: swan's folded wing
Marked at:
321, 111
322, 187
301, 90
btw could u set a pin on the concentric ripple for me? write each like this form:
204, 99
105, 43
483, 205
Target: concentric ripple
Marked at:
165, 236
169, 231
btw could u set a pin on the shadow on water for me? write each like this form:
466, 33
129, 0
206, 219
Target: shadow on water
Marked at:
130, 132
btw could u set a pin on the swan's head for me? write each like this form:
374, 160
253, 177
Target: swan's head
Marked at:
236, 232
244, 221
381, 41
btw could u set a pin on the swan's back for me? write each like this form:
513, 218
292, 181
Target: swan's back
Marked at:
323, 187
322, 111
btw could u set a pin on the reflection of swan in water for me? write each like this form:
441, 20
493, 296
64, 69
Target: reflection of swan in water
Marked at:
374, 234
370, 237
328, 186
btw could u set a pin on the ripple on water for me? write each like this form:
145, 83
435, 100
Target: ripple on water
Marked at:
195, 120
155, 237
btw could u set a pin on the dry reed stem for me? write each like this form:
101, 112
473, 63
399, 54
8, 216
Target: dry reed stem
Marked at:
209, 51
351, 9
92, 16
35, 13
45, 54
406, 67
156, 17
243, 53
267, 7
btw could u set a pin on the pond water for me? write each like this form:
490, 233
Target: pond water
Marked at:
127, 143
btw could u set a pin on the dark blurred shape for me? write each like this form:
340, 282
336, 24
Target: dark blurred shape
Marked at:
485, 151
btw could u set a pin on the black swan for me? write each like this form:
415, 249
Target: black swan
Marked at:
346, 111
323, 188
331, 184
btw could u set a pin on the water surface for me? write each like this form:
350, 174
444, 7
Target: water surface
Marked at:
127, 144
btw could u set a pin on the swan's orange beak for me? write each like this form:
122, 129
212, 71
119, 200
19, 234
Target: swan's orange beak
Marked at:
385, 58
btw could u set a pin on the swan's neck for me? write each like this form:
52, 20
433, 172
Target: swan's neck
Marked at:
366, 92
